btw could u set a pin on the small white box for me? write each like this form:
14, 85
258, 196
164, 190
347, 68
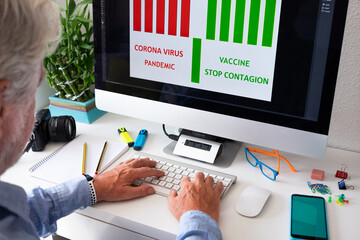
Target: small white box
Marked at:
197, 148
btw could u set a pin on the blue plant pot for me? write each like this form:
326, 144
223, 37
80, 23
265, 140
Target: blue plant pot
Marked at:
85, 112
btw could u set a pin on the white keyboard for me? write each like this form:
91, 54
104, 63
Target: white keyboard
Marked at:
175, 171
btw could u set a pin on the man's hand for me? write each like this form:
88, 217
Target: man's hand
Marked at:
115, 185
197, 195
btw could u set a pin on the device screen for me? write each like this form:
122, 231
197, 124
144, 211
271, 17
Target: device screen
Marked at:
308, 217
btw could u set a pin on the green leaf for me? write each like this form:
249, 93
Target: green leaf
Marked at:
84, 20
84, 2
72, 7
86, 46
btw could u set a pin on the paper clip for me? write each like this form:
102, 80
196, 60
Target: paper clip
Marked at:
321, 188
341, 173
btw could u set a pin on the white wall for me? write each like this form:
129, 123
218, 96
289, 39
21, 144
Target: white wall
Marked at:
345, 122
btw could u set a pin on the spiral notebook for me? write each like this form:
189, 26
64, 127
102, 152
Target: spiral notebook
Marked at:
66, 162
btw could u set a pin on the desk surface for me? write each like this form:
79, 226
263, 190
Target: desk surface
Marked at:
150, 217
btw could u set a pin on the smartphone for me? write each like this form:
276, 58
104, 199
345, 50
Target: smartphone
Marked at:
308, 218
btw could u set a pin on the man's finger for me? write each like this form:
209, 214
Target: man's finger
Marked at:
209, 180
199, 177
184, 180
142, 162
146, 172
219, 187
172, 194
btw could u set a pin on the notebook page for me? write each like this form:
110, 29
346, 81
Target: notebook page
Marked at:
67, 162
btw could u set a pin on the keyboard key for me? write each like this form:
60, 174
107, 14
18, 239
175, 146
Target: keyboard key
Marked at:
155, 181
171, 174
162, 183
169, 185
176, 187
226, 184
169, 179
148, 179
185, 173
178, 176
165, 167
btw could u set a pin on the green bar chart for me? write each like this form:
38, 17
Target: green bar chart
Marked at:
211, 19
241, 17
225, 20
254, 22
269, 23
239, 21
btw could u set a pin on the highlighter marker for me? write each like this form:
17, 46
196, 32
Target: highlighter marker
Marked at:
125, 136
140, 140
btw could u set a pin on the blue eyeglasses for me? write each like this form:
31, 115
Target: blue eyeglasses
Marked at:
265, 169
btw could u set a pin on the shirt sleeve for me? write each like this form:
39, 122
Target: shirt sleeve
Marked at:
196, 225
49, 205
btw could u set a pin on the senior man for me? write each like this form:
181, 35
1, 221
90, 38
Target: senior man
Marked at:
27, 32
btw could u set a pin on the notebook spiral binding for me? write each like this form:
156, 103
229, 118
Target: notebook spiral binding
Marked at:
37, 165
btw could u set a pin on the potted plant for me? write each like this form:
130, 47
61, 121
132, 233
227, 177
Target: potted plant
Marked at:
71, 67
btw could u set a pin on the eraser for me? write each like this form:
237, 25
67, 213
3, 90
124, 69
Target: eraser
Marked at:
317, 174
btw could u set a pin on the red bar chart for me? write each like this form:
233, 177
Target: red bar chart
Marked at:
185, 18
137, 15
160, 16
161, 7
172, 17
149, 15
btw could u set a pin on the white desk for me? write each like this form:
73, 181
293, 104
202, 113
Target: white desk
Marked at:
149, 217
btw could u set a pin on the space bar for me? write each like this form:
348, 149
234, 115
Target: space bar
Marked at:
158, 189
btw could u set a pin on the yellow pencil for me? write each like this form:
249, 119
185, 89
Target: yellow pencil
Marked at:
101, 158
84, 159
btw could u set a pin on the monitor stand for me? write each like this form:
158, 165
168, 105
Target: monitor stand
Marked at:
228, 153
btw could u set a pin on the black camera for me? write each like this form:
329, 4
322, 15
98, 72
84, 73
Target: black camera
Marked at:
47, 128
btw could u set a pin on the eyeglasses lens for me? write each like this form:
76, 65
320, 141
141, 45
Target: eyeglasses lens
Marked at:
267, 171
251, 159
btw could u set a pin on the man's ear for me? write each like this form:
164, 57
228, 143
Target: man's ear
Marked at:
4, 84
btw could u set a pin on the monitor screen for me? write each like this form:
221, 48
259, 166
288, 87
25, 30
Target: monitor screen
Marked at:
270, 62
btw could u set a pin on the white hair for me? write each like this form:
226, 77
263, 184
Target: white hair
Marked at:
28, 32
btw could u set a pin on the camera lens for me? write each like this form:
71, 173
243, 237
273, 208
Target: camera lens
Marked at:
62, 129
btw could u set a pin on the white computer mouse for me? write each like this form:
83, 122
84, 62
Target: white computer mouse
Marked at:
251, 201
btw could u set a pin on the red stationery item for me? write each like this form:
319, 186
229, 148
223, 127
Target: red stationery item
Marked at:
341, 173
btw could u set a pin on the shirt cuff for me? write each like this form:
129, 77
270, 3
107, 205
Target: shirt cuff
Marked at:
198, 225
74, 194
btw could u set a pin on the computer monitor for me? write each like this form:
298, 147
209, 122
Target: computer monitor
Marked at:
257, 71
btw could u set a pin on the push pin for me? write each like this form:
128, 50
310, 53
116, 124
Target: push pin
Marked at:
341, 173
